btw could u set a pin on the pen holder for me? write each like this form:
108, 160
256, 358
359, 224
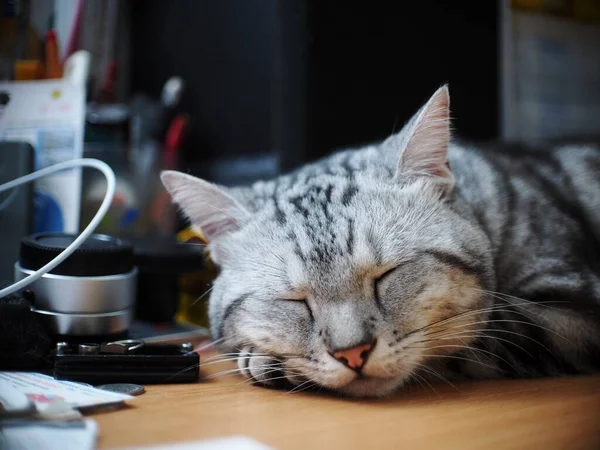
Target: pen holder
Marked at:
141, 205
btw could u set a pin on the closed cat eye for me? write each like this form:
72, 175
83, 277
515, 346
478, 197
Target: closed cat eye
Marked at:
291, 299
384, 275
378, 280
304, 301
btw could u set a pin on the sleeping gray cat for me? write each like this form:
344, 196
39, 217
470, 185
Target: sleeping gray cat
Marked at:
417, 257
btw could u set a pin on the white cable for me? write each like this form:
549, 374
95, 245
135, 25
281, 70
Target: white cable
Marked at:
108, 198
8, 200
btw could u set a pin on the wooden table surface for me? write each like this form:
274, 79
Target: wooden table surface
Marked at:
529, 414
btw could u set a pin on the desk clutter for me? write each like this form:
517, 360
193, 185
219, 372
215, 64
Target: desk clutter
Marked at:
44, 411
37, 411
108, 290
67, 347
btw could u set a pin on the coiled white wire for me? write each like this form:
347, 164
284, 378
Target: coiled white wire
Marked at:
86, 233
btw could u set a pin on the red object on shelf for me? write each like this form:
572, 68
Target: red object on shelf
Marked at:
53, 65
107, 94
174, 140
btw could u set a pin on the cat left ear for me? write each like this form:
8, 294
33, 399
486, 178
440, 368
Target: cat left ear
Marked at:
208, 206
424, 143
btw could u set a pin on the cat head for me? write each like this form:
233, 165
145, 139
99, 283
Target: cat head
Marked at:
346, 278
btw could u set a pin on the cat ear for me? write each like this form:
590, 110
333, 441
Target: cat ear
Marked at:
423, 143
207, 206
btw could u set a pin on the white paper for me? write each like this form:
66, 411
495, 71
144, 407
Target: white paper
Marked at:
42, 390
49, 115
12, 400
228, 443
78, 435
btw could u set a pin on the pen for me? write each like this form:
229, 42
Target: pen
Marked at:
53, 66
174, 140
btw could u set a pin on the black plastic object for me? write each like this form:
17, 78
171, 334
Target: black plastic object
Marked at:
25, 344
160, 261
16, 206
150, 364
99, 255
164, 254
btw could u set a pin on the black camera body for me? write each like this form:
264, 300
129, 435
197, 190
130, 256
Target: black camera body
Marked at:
131, 361
74, 322
27, 344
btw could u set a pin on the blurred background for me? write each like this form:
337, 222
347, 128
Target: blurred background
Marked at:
234, 91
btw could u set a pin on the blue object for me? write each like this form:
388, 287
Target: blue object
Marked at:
47, 216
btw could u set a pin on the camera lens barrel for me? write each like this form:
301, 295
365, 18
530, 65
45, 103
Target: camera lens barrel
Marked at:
91, 293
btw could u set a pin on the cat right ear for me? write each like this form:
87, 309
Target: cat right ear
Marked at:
207, 206
423, 143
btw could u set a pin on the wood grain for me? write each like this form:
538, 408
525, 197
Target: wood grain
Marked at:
520, 414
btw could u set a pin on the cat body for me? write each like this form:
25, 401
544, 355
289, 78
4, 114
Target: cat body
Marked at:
414, 258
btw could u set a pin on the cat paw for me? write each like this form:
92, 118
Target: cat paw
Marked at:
261, 369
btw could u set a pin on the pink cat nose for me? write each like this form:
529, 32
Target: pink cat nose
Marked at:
354, 357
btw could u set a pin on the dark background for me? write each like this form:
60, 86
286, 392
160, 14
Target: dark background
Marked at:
298, 79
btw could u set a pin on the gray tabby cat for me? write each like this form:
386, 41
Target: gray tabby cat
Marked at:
413, 258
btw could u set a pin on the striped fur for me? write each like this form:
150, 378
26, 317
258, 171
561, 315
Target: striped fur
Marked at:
460, 261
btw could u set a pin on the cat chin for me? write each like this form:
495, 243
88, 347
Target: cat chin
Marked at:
371, 387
